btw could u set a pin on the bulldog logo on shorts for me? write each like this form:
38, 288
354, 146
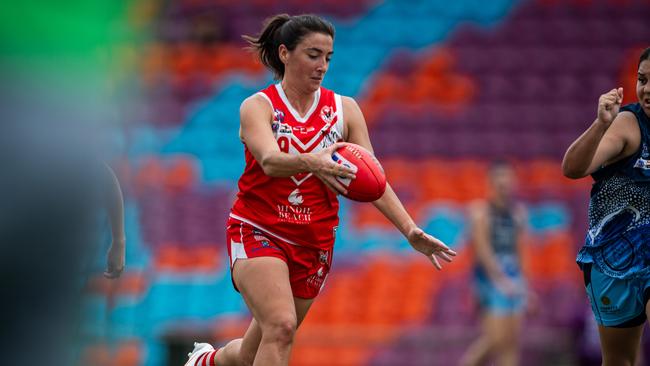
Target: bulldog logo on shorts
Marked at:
322, 257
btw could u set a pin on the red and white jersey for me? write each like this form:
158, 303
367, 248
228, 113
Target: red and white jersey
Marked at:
300, 209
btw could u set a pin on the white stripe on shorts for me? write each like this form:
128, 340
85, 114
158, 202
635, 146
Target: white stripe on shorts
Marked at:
237, 250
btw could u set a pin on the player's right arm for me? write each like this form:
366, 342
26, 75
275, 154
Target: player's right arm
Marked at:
610, 138
255, 118
480, 239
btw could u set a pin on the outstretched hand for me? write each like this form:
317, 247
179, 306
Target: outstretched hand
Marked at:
430, 246
115, 259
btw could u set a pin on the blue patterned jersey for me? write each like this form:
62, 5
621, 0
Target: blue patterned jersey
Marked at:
618, 240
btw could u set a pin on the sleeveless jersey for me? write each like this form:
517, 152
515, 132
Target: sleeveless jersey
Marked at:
503, 231
503, 239
300, 209
618, 240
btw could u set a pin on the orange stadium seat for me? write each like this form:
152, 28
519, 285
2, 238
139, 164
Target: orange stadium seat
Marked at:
207, 257
174, 257
149, 174
561, 247
388, 87
129, 354
181, 173
154, 64
131, 283
439, 181
185, 59
96, 355
216, 61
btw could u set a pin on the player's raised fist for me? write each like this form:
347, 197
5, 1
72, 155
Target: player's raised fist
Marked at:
609, 105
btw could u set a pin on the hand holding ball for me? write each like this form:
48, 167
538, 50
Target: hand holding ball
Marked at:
370, 182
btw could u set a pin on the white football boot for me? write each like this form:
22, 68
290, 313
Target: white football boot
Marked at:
199, 349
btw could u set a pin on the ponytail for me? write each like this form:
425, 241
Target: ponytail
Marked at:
283, 29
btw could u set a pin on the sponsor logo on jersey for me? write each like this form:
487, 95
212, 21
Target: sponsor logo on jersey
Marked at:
295, 198
303, 130
326, 114
294, 214
284, 129
644, 160
642, 164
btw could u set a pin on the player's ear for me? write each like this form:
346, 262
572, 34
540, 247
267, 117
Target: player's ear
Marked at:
283, 53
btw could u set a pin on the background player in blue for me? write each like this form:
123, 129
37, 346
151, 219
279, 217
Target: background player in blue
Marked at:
496, 227
615, 150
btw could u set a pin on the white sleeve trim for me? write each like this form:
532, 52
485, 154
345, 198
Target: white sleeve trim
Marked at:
265, 97
339, 112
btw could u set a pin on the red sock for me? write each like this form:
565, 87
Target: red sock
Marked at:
206, 359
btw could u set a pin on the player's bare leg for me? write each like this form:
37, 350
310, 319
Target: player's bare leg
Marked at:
508, 347
498, 339
264, 285
241, 351
620, 346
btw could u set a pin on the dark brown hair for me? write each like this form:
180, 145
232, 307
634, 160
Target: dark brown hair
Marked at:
645, 55
287, 30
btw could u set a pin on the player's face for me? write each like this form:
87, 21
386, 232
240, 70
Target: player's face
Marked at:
308, 62
643, 86
503, 181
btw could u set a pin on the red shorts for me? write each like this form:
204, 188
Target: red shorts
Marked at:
308, 267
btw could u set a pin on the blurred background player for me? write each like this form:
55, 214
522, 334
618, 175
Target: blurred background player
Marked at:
282, 225
497, 225
615, 151
52, 210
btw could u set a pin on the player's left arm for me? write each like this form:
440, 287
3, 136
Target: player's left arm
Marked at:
389, 205
115, 207
521, 220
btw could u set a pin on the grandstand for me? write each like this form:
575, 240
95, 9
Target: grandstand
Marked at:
445, 87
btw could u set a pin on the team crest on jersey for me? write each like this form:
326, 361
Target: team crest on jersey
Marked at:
326, 114
322, 256
295, 198
278, 115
